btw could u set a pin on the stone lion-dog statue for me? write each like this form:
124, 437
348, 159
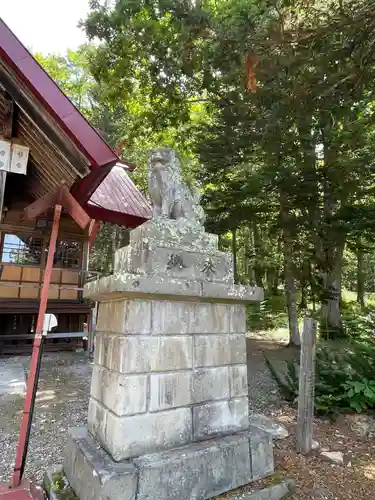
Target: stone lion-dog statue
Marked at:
170, 197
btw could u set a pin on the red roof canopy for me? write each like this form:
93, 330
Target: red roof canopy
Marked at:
40, 98
116, 193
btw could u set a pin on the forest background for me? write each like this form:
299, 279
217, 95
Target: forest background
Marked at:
271, 107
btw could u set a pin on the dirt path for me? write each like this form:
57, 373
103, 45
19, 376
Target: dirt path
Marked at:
319, 478
264, 395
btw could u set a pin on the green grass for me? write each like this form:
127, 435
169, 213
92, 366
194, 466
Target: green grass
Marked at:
349, 296
269, 318
59, 487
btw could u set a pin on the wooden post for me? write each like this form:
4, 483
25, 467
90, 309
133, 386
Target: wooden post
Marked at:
32, 379
3, 178
59, 199
92, 329
306, 387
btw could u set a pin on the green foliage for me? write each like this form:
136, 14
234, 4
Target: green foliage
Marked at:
108, 240
344, 378
60, 488
270, 314
71, 73
357, 321
287, 171
360, 395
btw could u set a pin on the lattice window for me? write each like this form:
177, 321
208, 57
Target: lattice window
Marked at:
68, 254
21, 249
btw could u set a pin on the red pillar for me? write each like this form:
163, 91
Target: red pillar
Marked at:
32, 380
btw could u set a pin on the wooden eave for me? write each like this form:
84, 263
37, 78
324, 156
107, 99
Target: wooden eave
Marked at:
48, 166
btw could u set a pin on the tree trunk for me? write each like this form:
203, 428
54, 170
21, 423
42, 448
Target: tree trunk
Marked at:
303, 301
360, 278
330, 311
332, 243
291, 294
250, 256
258, 268
290, 285
277, 269
234, 251
271, 278
275, 289
304, 282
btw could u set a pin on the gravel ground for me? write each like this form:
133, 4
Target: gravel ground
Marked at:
61, 403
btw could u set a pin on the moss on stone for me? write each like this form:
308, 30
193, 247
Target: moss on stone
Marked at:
276, 478
58, 481
60, 488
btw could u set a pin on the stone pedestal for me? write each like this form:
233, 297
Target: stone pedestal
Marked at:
168, 412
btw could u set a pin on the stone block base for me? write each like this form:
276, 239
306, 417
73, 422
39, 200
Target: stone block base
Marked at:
91, 472
194, 472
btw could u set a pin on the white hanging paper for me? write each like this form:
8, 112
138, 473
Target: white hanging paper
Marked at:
5, 154
49, 322
20, 156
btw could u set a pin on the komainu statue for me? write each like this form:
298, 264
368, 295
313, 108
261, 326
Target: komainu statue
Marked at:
170, 197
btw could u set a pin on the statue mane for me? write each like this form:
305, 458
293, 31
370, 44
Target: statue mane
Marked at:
170, 197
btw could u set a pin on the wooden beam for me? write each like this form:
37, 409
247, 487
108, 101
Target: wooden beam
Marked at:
6, 131
73, 208
30, 336
9, 117
3, 178
94, 228
40, 207
62, 197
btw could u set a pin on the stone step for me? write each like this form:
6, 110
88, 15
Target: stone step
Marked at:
57, 488
283, 489
198, 471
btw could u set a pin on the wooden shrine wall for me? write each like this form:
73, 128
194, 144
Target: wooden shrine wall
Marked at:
24, 282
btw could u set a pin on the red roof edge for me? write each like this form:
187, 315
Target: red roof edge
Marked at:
84, 188
121, 219
51, 98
